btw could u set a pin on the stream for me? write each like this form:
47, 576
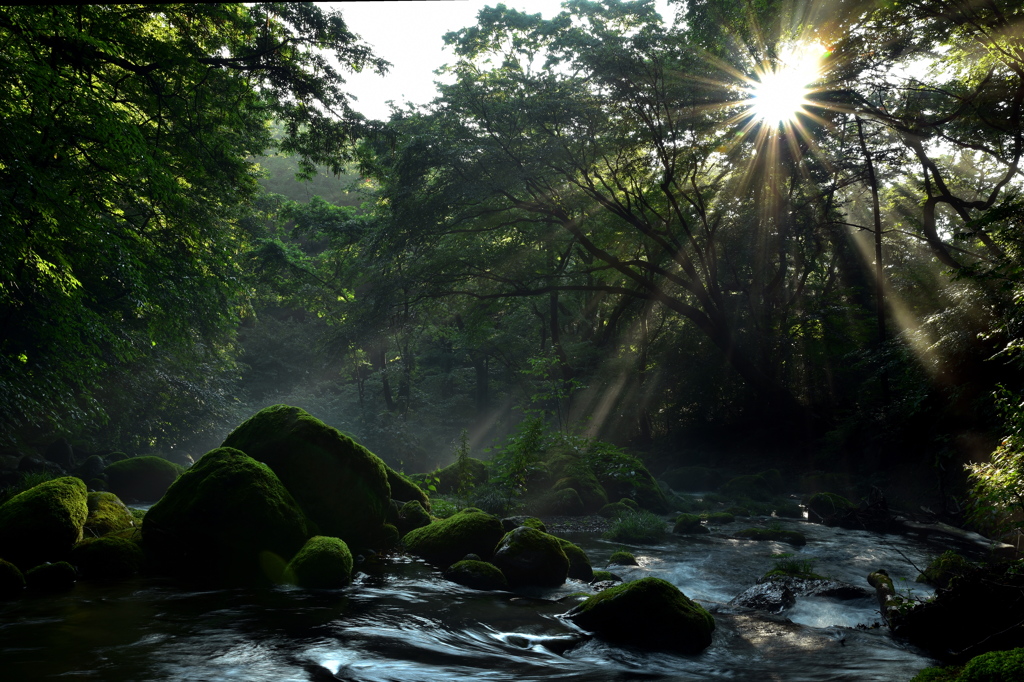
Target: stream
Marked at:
401, 621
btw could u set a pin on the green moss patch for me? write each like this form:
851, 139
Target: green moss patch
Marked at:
650, 613
689, 524
445, 541
141, 478
529, 557
107, 513
622, 558
478, 575
322, 563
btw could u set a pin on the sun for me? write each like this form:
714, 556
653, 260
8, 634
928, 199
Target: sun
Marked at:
779, 92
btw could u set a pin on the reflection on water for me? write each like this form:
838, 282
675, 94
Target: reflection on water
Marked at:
401, 621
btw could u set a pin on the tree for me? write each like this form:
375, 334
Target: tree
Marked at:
127, 166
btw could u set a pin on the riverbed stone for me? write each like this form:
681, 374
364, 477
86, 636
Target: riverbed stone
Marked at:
228, 519
476, 574
770, 596
529, 557
341, 486
649, 613
144, 478
579, 563
44, 522
107, 513
108, 558
445, 541
322, 563
12, 580
689, 524
58, 576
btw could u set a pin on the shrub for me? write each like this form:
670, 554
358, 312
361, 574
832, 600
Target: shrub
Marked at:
641, 527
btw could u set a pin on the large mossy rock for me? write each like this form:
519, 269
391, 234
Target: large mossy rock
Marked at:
322, 563
477, 575
529, 557
141, 478
579, 562
340, 485
826, 507
108, 558
227, 520
445, 541
43, 523
650, 613
107, 513
624, 476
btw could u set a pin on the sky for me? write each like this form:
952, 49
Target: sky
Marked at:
409, 34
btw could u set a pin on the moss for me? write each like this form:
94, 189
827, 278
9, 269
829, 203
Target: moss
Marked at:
12, 581
689, 524
943, 569
478, 575
222, 517
614, 510
630, 503
340, 485
141, 478
564, 502
412, 516
404, 490
604, 576
650, 613
322, 563
719, 518
43, 523
107, 513
445, 541
641, 527
995, 666
585, 483
52, 577
624, 476
788, 509
579, 562
529, 557
791, 537
622, 558
108, 558
388, 537
828, 505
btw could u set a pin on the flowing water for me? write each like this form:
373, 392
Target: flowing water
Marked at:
401, 621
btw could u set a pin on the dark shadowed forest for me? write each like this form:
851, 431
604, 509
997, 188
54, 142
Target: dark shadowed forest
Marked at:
756, 235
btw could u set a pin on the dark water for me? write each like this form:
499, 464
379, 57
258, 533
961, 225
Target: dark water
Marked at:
401, 621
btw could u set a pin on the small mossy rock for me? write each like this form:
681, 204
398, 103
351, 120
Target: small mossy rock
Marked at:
995, 666
340, 485
792, 537
58, 576
529, 557
614, 510
586, 485
387, 537
823, 506
12, 580
579, 562
223, 519
141, 478
510, 523
788, 509
477, 575
719, 518
108, 558
404, 490
412, 516
605, 576
622, 558
107, 513
445, 541
689, 524
649, 613
44, 522
322, 563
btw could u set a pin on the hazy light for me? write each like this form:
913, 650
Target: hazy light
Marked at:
780, 92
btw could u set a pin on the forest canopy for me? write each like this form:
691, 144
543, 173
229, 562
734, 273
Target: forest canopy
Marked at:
598, 222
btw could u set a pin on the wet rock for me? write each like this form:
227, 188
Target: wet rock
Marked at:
404, 489
579, 562
59, 576
12, 581
322, 563
108, 558
445, 541
477, 575
43, 523
649, 613
771, 596
107, 513
412, 516
510, 523
529, 557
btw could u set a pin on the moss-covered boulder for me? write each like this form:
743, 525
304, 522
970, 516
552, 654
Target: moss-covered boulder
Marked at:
622, 558
412, 516
58, 576
107, 513
564, 502
228, 519
718, 518
476, 574
579, 562
792, 537
404, 489
529, 557
108, 558
614, 510
828, 506
12, 580
995, 666
322, 563
591, 493
44, 522
649, 613
340, 485
141, 478
689, 524
445, 541
624, 476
